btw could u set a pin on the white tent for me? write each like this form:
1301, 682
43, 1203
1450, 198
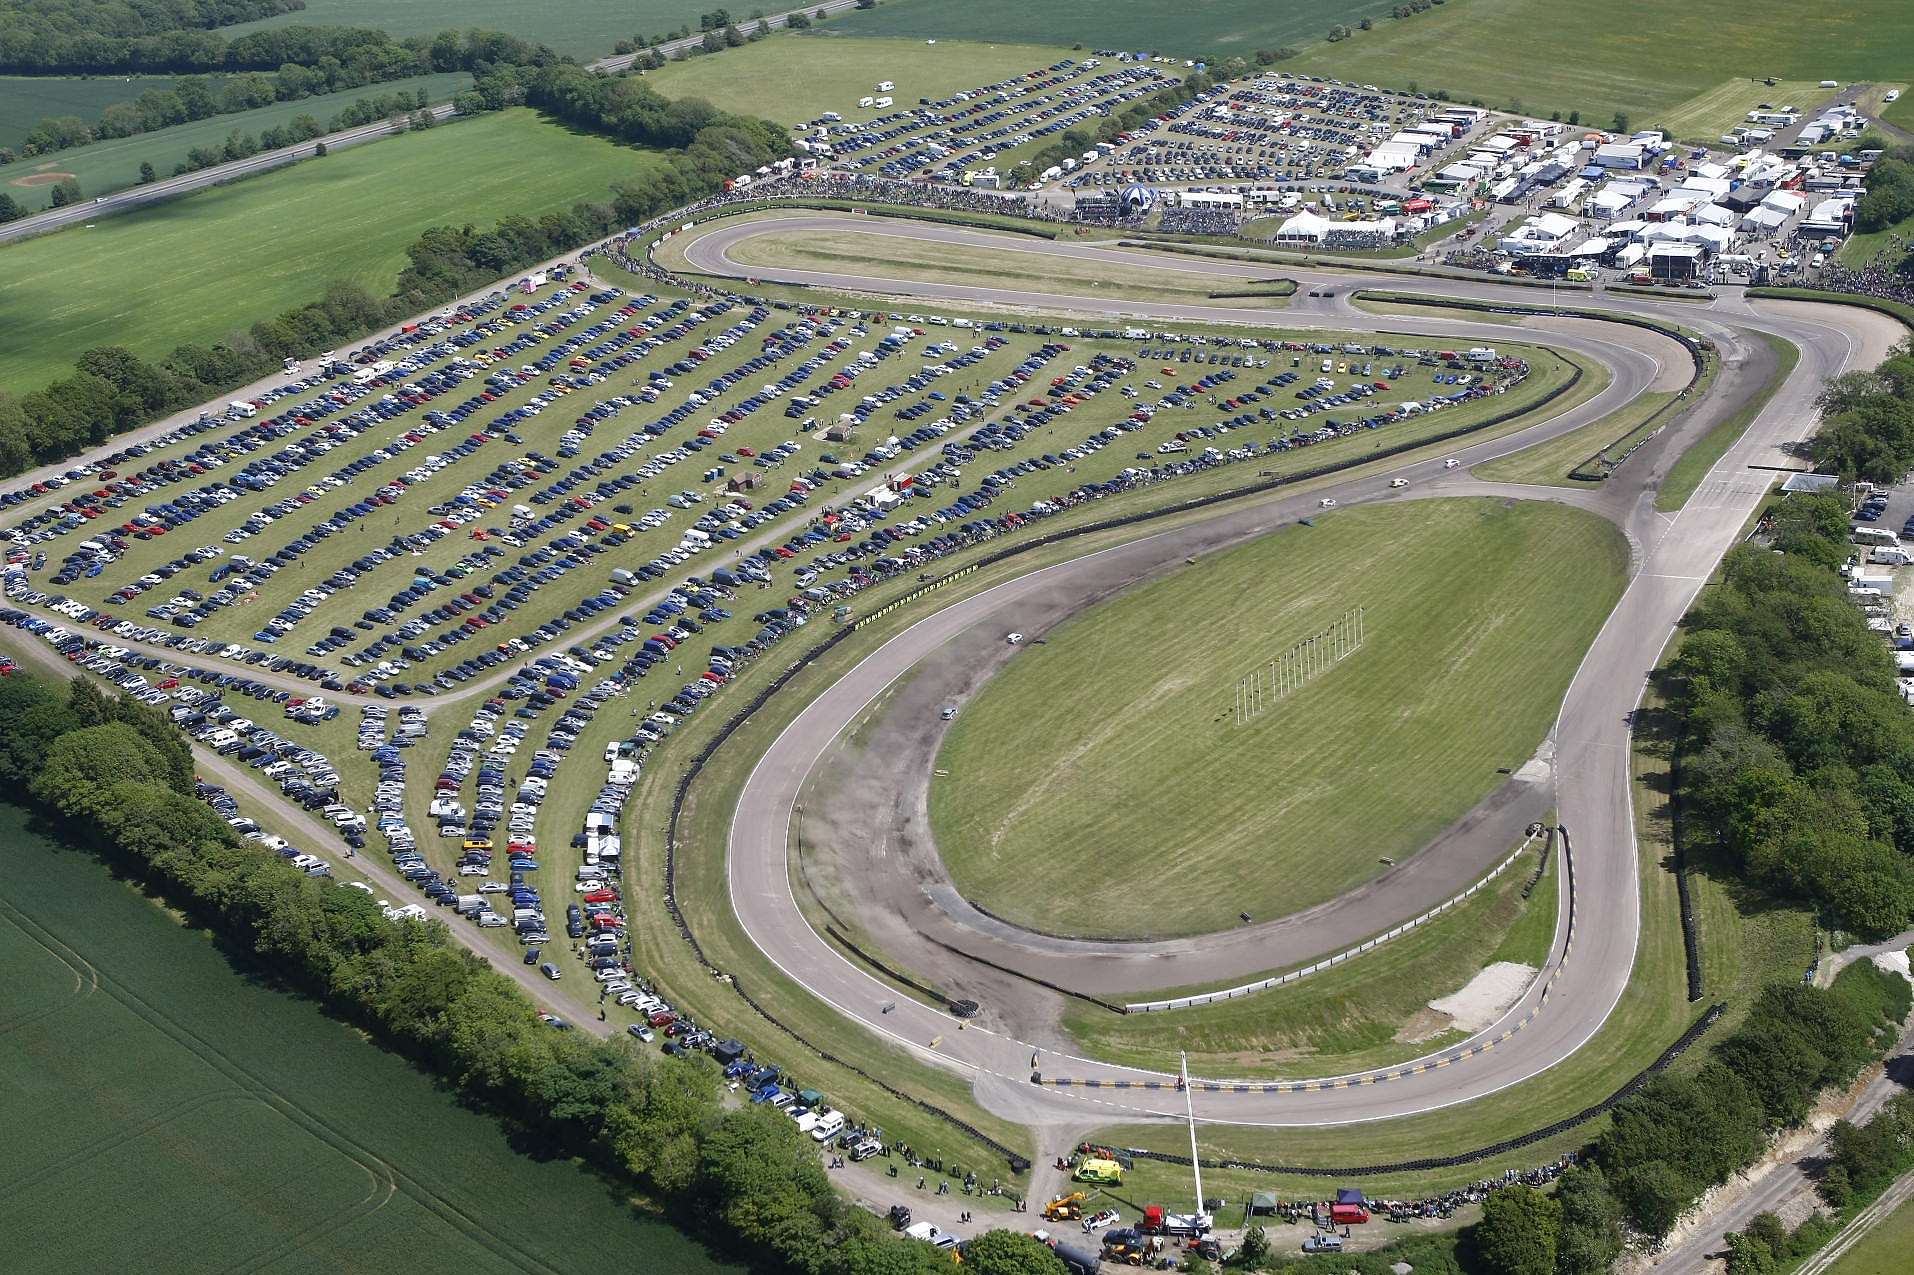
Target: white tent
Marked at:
1785, 202
1303, 228
1714, 215
1608, 203
1764, 220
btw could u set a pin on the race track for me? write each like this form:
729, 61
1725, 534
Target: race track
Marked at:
1587, 771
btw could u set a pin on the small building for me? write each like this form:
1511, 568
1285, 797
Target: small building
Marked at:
1674, 262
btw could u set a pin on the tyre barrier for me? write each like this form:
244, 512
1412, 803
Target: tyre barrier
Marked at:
1280, 980
1045, 983
1541, 865
895, 976
1681, 1046
1690, 928
1017, 1162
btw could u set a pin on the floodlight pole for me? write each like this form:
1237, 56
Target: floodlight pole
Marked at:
1189, 1106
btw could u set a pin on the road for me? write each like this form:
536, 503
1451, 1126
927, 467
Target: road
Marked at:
1590, 742
185, 184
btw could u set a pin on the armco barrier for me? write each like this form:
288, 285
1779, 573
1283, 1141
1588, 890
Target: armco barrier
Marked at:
1668, 1056
1280, 980
1017, 1162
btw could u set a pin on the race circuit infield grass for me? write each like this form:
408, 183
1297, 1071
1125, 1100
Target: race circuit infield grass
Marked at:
797, 77
1706, 116
1105, 766
210, 1113
1202, 29
199, 268
1550, 462
1640, 56
1371, 1012
848, 252
114, 164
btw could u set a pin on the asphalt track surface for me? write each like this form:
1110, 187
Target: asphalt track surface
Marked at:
1588, 749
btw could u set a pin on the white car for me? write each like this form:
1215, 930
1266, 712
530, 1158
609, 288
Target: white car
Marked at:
1329, 502
1450, 463
1398, 482
1013, 638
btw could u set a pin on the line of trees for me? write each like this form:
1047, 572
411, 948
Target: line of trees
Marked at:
1890, 192
30, 45
113, 390
1867, 419
1681, 1134
119, 777
190, 98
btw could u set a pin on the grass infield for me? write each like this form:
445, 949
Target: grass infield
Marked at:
1105, 766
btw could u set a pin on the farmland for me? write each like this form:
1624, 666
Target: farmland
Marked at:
25, 100
585, 29
114, 164
1469, 608
1883, 1251
195, 269
797, 77
1638, 56
1199, 29
210, 1113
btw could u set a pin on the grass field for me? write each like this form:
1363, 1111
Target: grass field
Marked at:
114, 165
1709, 114
197, 268
1063, 818
585, 29
1641, 56
1551, 462
1370, 1012
25, 100
1196, 29
208, 1114
1884, 1250
797, 77
929, 261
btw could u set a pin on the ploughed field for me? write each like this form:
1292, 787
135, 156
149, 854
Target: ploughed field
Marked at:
1103, 786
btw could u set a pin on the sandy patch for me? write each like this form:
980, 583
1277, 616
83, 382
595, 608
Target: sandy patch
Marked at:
40, 179
1487, 997
1895, 962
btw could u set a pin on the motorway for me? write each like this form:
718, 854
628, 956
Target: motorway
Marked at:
1674, 554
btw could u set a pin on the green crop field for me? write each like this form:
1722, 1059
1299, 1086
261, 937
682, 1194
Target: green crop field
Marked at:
223, 1123
197, 268
25, 100
797, 77
1639, 56
1196, 28
585, 29
115, 164
1883, 1251
1106, 764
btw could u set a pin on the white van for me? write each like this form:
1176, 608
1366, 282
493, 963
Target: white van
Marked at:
829, 1127
239, 407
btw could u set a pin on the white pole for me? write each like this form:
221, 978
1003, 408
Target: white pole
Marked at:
1189, 1106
